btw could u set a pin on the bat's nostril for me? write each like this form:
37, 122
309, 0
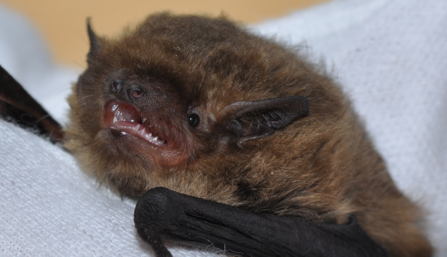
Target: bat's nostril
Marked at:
136, 92
115, 86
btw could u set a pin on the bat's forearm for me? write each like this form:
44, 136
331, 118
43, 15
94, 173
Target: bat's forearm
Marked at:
182, 218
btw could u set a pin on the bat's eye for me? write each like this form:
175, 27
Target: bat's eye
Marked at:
193, 120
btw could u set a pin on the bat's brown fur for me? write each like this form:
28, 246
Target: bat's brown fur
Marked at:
321, 167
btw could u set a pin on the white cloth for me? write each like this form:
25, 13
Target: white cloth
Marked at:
390, 56
48, 207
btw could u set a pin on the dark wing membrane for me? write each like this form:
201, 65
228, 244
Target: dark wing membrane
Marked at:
177, 217
17, 106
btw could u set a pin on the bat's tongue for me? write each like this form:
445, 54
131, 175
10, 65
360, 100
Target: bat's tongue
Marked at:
127, 120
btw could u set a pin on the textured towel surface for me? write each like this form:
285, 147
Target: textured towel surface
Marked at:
390, 56
48, 207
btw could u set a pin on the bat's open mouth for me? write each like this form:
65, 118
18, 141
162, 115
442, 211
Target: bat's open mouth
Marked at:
126, 119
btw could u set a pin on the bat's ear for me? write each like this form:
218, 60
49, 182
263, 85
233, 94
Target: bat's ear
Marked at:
95, 45
255, 119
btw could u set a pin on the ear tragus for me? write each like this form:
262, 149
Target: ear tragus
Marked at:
255, 119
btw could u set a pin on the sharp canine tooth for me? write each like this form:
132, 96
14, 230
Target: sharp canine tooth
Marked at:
114, 107
114, 119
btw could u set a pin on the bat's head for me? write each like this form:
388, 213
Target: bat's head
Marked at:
187, 101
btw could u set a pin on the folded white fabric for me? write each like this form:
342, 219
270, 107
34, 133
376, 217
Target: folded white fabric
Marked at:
48, 207
390, 56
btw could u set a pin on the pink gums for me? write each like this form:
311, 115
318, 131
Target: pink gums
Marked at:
126, 119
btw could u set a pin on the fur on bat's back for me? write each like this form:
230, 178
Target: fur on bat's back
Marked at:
322, 167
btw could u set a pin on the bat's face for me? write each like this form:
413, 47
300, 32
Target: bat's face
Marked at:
141, 115
136, 115
193, 103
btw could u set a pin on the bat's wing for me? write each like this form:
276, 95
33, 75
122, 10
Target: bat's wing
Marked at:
181, 218
17, 106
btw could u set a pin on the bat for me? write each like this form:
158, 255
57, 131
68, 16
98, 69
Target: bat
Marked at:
246, 132
10, 89
237, 140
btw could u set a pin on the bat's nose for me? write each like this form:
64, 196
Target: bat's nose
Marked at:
116, 86
128, 91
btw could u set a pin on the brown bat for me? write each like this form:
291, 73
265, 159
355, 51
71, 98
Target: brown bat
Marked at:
266, 140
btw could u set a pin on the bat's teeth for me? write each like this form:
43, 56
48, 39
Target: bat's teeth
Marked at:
152, 139
124, 119
117, 115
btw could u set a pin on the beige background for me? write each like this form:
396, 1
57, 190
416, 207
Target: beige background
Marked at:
62, 22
